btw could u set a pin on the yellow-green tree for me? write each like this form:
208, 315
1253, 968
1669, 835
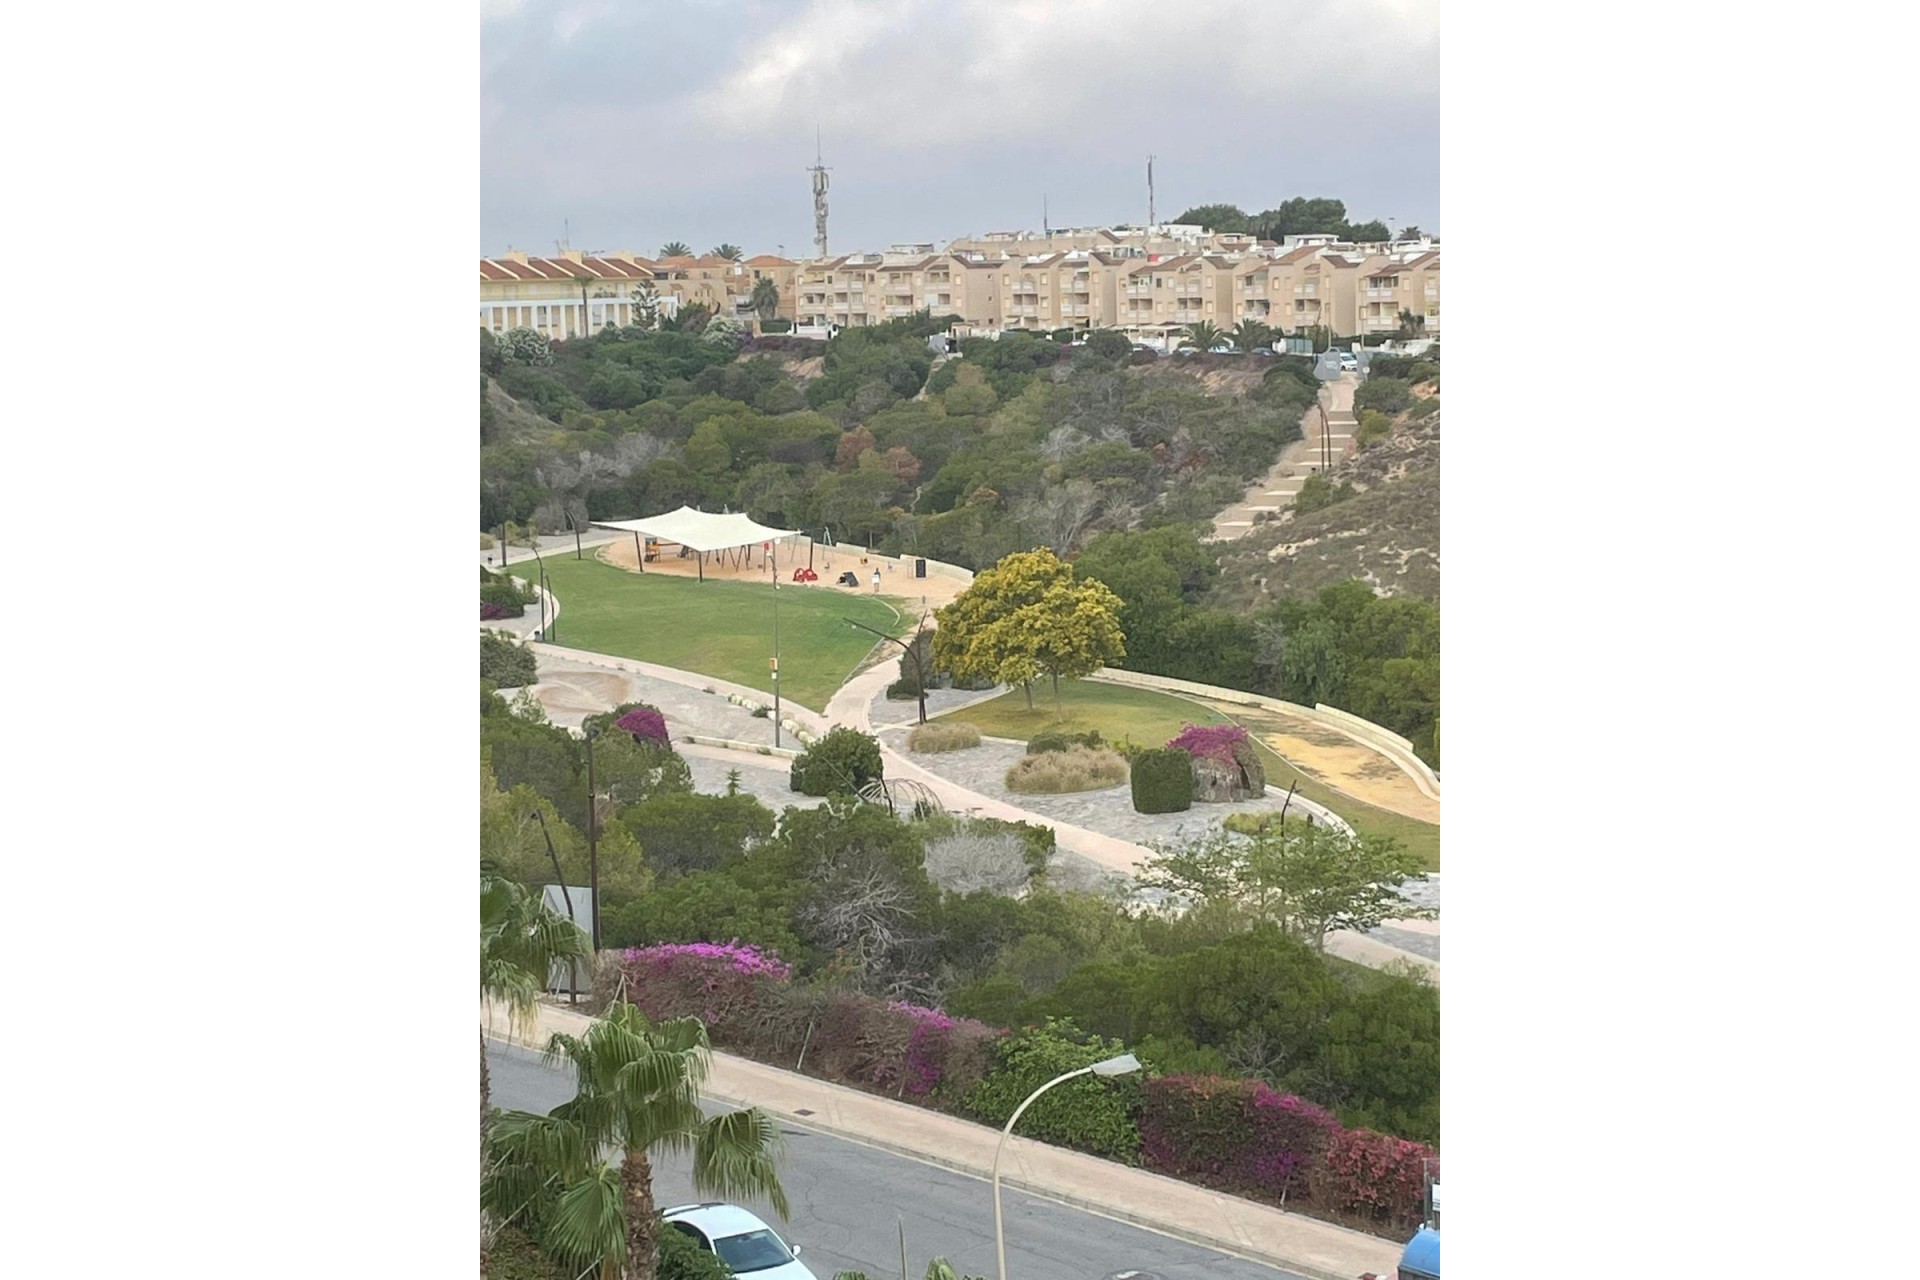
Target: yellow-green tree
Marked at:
1026, 617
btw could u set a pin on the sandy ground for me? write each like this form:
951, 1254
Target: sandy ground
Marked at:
1337, 760
896, 573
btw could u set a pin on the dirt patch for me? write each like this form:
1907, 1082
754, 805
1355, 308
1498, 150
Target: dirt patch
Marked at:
896, 572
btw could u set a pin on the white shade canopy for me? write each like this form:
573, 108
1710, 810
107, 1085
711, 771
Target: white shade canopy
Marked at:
700, 530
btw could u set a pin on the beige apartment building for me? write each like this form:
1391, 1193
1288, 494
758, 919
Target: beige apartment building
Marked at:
576, 294
1122, 283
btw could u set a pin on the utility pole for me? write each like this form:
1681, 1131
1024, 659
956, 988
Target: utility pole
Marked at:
593, 845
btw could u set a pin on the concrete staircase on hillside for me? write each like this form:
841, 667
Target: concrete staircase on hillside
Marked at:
1297, 461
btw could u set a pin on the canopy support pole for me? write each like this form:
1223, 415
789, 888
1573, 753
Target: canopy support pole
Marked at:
700, 564
639, 554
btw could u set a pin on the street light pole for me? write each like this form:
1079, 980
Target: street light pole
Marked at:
776, 651
911, 650
593, 847
1119, 1066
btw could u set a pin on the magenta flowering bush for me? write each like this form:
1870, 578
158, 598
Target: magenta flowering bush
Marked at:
942, 1049
495, 612
646, 724
1374, 1176
1210, 741
722, 984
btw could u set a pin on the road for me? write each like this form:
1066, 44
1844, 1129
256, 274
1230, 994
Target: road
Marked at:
848, 1199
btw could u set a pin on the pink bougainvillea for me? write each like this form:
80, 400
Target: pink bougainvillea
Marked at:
1210, 741
645, 724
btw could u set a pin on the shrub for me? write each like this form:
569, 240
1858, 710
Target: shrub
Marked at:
1374, 425
1089, 1114
1317, 492
843, 761
496, 612
505, 596
646, 724
778, 324
1375, 1177
486, 543
506, 661
1226, 746
1388, 395
1426, 409
1236, 1135
679, 1258
722, 985
1060, 740
1162, 781
936, 736
1075, 769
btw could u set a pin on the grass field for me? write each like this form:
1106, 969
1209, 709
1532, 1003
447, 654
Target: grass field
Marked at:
1141, 715
720, 629
1149, 718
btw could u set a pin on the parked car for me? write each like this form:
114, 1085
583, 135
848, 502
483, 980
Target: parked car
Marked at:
1187, 351
746, 1244
1261, 351
1344, 359
1223, 349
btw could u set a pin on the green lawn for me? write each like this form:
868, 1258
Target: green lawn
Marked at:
1140, 715
720, 629
1149, 717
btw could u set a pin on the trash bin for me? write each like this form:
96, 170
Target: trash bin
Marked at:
920, 567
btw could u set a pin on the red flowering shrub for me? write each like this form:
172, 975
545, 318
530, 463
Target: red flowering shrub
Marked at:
1209, 741
495, 612
1236, 1135
1375, 1177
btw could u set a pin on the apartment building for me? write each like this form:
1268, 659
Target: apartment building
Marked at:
575, 294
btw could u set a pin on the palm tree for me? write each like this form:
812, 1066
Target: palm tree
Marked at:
521, 939
1411, 325
723, 250
766, 297
675, 249
1202, 335
1250, 333
638, 1088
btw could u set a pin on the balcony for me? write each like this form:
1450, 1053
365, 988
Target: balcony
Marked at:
1254, 291
1139, 291
897, 309
1377, 292
1380, 324
1303, 290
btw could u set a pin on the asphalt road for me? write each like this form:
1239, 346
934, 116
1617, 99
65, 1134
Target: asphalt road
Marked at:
848, 1199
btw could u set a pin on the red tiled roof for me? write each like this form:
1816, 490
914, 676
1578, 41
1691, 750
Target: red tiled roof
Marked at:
516, 270
1296, 255
768, 260
492, 271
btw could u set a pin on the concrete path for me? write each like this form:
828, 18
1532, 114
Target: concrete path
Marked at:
1180, 1209
1276, 489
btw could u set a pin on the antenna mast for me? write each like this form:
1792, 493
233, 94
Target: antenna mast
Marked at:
819, 172
1151, 220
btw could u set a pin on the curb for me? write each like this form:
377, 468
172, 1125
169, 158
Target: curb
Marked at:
1236, 1248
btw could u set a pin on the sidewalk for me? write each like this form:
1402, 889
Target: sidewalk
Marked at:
1305, 1245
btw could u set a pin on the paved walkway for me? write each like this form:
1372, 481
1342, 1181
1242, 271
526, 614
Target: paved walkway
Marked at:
1180, 1209
1276, 489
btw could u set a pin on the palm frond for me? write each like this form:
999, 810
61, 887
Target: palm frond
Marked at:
734, 1156
586, 1224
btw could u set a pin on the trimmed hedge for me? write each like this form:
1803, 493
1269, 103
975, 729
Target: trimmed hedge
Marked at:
1162, 781
1237, 1136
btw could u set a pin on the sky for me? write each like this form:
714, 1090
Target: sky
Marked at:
624, 126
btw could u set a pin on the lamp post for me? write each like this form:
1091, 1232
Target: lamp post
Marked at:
911, 650
776, 650
1119, 1066
593, 846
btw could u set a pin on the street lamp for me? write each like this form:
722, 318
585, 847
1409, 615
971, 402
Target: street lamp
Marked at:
911, 650
775, 574
1120, 1066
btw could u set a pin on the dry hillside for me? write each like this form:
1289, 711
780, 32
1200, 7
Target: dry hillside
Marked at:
1388, 533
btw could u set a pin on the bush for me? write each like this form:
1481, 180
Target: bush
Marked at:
506, 661
1388, 395
1374, 425
1236, 1135
1374, 1177
1075, 769
486, 544
1089, 1114
646, 724
778, 324
1317, 492
1425, 409
679, 1258
936, 736
1229, 747
504, 596
722, 985
1060, 740
500, 612
841, 762
1162, 781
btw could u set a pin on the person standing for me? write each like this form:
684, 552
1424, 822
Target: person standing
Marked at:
876, 582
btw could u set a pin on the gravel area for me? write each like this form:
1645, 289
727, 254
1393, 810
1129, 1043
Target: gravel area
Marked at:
571, 691
1420, 944
769, 786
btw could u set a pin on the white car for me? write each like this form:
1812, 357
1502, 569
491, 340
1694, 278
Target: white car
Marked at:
745, 1243
1345, 359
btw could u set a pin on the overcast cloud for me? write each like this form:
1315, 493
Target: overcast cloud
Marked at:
694, 120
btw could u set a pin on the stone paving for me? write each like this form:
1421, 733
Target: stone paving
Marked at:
766, 784
571, 690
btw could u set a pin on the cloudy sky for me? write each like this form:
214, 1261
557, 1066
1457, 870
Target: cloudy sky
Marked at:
694, 119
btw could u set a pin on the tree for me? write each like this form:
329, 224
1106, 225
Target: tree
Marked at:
1306, 879
1249, 334
766, 297
1367, 232
1025, 616
524, 346
731, 252
646, 305
1202, 335
675, 249
1411, 325
638, 1088
520, 942
1411, 233
1216, 217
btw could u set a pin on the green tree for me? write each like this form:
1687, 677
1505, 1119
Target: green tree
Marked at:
1249, 334
637, 1088
1228, 218
731, 252
1306, 879
676, 249
1025, 616
1202, 336
766, 298
1367, 232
